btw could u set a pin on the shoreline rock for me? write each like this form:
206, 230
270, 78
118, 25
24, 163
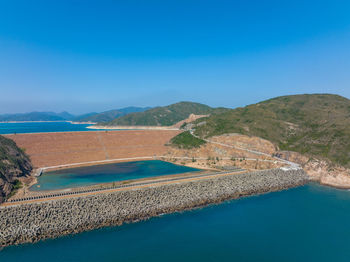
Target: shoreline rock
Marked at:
29, 223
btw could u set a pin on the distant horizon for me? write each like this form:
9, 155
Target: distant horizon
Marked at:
65, 111
150, 107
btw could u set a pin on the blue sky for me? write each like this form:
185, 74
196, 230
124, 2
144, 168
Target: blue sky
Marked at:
84, 56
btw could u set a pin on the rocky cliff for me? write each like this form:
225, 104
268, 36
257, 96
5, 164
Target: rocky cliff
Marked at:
14, 163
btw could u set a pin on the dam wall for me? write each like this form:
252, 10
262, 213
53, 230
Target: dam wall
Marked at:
62, 148
33, 222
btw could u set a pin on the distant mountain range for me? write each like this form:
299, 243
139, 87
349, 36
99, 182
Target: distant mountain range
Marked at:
139, 116
65, 116
109, 115
166, 115
37, 116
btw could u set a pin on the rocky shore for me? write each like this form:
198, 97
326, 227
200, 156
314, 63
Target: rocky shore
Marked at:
33, 222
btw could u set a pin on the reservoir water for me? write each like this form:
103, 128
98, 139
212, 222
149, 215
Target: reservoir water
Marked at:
39, 127
309, 223
85, 176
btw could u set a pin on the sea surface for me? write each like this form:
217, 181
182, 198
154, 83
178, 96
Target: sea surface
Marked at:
85, 176
309, 223
40, 127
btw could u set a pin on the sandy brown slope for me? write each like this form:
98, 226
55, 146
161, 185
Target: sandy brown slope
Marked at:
50, 149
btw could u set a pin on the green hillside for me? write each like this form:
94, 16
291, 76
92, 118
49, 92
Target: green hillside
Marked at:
186, 140
317, 125
14, 163
109, 115
164, 116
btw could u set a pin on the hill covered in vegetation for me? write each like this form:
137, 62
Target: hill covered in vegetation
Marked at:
316, 125
109, 115
164, 116
14, 163
65, 116
185, 140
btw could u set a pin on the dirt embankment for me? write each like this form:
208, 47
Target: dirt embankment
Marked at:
51, 149
213, 155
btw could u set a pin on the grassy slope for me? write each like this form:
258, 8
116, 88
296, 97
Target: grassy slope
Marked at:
186, 141
11, 156
109, 115
317, 125
163, 116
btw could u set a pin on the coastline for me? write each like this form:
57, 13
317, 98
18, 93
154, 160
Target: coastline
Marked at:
42, 121
81, 123
133, 127
14, 122
55, 218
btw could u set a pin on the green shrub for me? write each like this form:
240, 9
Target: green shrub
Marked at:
186, 140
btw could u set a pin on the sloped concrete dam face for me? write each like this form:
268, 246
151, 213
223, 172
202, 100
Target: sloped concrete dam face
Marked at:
32, 222
52, 149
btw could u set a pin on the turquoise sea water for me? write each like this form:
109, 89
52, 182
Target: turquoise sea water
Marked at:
84, 176
39, 127
309, 223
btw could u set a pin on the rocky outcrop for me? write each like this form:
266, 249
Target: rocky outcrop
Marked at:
328, 174
14, 163
32, 222
320, 170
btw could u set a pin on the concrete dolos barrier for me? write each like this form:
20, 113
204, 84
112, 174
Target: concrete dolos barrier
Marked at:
36, 221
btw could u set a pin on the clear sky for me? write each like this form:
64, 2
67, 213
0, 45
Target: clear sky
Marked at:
86, 56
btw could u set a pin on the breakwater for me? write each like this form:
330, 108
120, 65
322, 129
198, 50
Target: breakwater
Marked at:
32, 222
